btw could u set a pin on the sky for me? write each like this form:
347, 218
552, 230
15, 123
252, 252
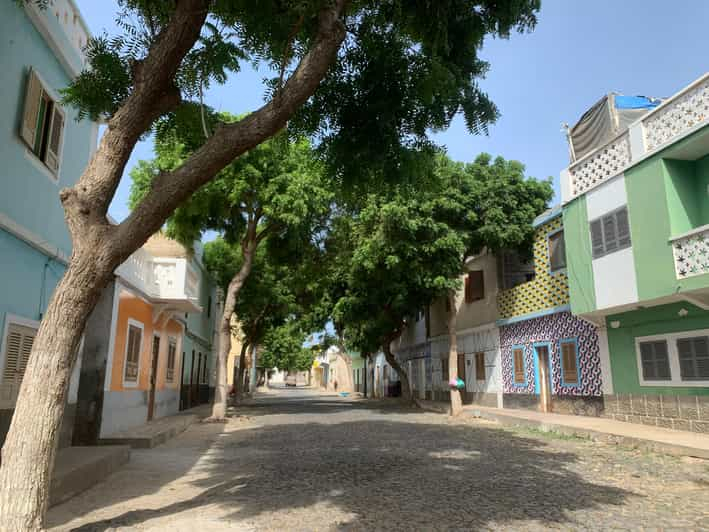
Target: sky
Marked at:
578, 52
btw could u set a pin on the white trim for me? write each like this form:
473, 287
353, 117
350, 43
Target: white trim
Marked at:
15, 320
691, 232
58, 48
696, 302
167, 358
141, 326
112, 335
673, 355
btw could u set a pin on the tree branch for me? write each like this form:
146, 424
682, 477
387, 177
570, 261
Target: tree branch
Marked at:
154, 93
231, 140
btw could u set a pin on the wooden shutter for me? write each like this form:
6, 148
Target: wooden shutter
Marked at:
597, 238
30, 115
568, 362
610, 235
694, 358
655, 361
480, 366
468, 292
18, 347
133, 354
557, 251
54, 144
518, 356
622, 228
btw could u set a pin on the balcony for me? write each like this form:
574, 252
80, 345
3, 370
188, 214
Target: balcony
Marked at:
167, 281
64, 29
676, 118
691, 252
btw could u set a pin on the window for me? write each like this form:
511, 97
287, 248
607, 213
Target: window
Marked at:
18, 345
42, 123
569, 367
610, 233
480, 366
171, 359
557, 251
133, 344
474, 286
655, 360
693, 358
518, 360
445, 374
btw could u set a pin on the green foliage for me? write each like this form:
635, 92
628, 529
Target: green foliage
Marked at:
406, 68
403, 251
283, 348
280, 182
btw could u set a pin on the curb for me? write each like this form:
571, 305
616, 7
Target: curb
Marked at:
593, 435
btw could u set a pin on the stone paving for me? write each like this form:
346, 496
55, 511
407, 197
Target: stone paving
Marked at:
304, 461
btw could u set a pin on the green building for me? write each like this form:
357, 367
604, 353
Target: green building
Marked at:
636, 219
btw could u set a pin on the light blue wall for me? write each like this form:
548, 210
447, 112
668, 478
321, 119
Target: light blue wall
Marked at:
28, 195
29, 279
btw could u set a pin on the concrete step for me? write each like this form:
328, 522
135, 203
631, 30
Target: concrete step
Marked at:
151, 434
77, 469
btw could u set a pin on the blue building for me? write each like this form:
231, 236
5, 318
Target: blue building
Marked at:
43, 148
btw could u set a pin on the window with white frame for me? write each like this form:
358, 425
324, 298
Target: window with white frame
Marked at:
134, 340
42, 126
610, 233
680, 359
171, 359
557, 251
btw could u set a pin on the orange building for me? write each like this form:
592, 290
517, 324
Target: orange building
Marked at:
136, 339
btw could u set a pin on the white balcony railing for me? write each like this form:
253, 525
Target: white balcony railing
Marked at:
674, 119
691, 252
160, 278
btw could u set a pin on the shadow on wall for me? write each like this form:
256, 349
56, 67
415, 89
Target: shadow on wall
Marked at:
382, 474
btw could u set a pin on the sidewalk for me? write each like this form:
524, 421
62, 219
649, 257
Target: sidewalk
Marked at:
655, 439
159, 430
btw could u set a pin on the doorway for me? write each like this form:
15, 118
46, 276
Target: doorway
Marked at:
153, 376
543, 376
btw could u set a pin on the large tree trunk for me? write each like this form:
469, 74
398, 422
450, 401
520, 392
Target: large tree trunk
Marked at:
406, 393
30, 446
220, 393
452, 322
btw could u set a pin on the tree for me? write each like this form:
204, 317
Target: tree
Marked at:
283, 348
400, 257
489, 205
410, 249
277, 187
170, 51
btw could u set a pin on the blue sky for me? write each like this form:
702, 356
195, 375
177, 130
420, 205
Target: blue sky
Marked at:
578, 52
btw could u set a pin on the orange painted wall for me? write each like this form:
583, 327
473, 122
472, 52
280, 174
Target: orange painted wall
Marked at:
134, 308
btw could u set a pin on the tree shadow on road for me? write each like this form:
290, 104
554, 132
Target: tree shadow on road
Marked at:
386, 474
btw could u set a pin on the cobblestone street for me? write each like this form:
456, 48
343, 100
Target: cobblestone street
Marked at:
304, 461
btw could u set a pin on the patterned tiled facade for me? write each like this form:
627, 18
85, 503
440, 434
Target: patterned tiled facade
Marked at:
547, 290
691, 255
551, 329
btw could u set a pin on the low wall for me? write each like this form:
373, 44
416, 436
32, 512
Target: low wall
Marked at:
679, 412
560, 404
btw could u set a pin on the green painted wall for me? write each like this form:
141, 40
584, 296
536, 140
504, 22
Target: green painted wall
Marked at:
701, 177
579, 269
650, 229
656, 320
682, 201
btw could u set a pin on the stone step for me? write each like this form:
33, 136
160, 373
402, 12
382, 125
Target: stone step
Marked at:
77, 469
151, 434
